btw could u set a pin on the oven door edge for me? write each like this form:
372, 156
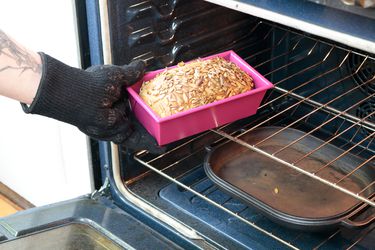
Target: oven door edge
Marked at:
71, 223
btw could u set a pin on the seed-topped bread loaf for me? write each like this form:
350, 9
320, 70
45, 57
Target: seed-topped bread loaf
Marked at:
194, 84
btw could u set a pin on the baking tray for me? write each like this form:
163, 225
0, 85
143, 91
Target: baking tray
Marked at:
178, 126
285, 195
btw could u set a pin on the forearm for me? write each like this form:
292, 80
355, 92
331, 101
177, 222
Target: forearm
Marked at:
20, 70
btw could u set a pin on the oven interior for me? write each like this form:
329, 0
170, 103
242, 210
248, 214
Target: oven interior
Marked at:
321, 87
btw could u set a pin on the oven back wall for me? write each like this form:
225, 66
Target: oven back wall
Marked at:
41, 159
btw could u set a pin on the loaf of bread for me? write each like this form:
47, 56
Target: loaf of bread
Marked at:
194, 84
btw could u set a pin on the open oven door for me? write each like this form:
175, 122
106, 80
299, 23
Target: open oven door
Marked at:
89, 222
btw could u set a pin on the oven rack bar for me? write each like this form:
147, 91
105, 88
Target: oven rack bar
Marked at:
337, 232
359, 239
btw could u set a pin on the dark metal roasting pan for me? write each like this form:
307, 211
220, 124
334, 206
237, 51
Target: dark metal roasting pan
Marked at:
286, 195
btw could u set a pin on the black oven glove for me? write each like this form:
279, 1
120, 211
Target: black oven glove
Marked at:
94, 100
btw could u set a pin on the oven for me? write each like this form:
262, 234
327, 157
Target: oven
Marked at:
320, 57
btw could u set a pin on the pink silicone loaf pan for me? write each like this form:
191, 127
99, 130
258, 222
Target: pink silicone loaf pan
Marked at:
178, 126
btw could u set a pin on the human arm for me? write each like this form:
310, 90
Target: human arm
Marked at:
20, 70
94, 100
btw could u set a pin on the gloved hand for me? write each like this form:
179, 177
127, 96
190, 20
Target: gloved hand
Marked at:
94, 100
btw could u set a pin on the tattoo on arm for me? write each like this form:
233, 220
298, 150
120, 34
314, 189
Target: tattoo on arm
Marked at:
22, 58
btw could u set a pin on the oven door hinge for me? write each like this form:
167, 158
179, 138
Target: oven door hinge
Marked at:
104, 190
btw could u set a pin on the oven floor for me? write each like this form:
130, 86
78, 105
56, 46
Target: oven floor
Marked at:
236, 231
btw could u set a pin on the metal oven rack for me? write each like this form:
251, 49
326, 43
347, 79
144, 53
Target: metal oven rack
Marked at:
345, 119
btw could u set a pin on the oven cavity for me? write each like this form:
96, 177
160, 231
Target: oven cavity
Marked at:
321, 89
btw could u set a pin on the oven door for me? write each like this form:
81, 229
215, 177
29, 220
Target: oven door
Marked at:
82, 223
